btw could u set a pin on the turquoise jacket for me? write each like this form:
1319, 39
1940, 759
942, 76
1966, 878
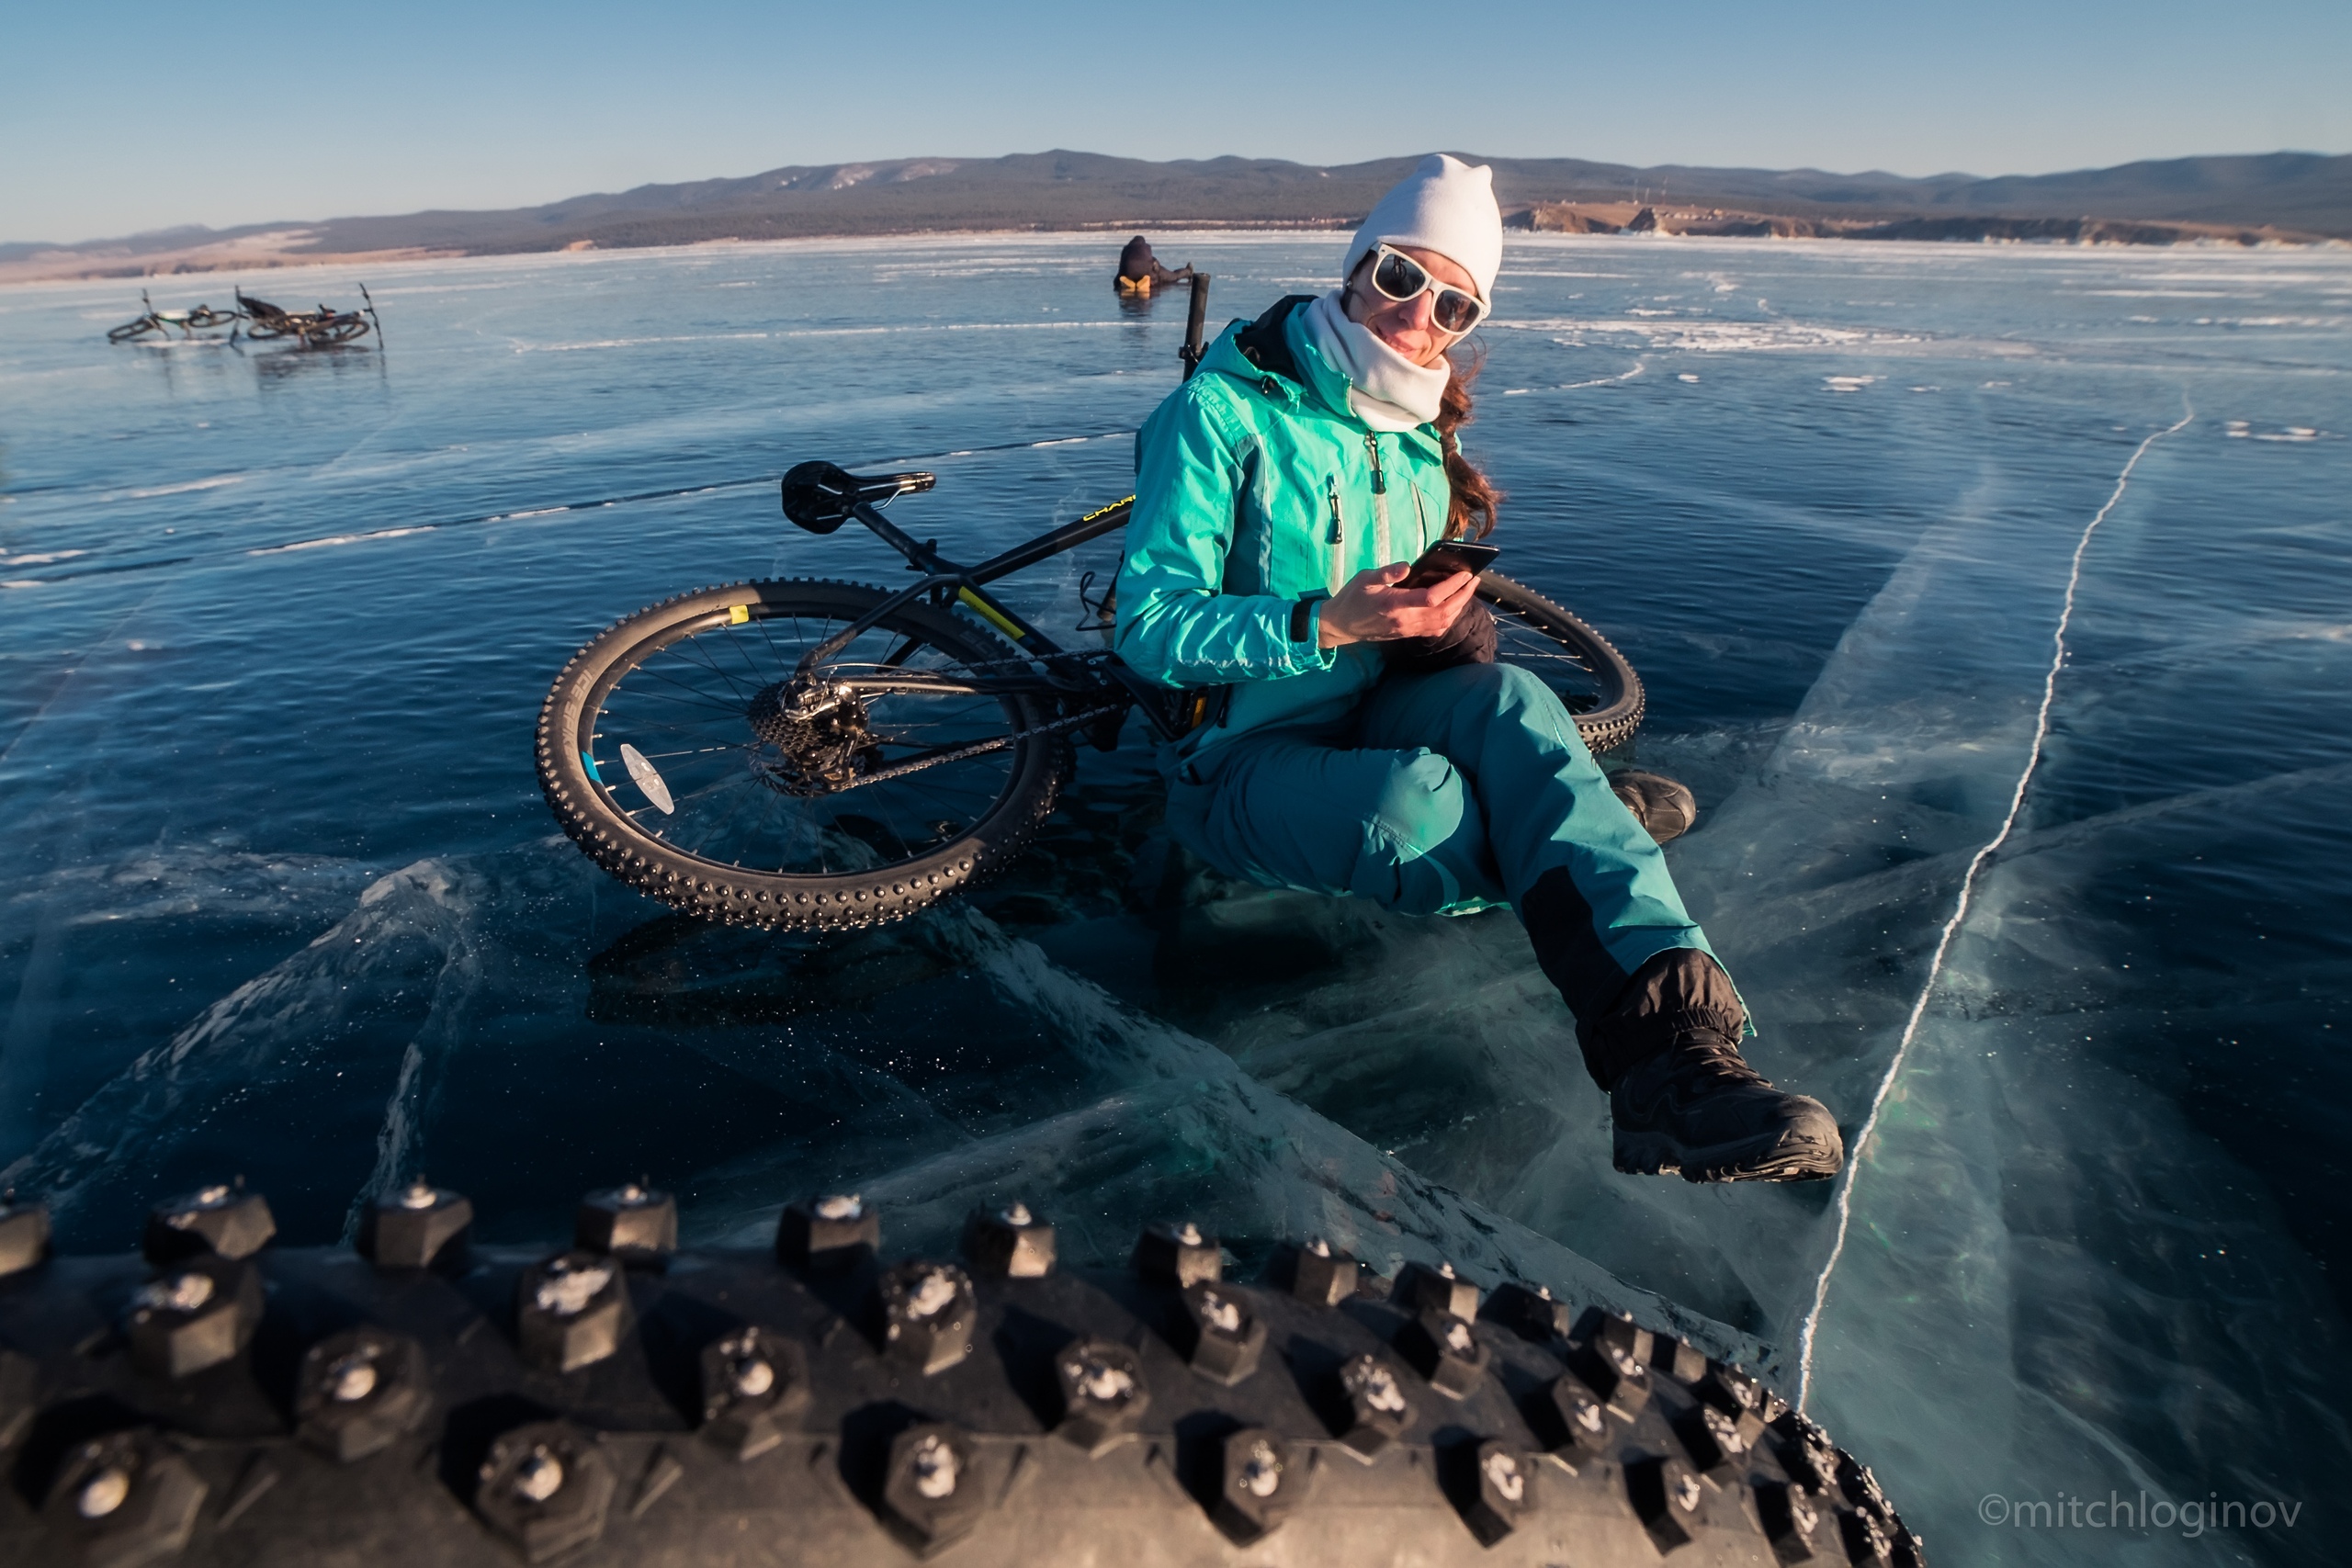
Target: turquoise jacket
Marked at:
1255, 492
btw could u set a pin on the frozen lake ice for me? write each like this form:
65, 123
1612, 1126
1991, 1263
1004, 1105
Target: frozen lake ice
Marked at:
281, 897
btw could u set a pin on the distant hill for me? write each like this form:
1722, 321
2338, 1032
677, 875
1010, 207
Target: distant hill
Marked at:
2288, 190
2308, 194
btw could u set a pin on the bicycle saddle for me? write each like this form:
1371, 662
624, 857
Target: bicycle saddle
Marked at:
820, 496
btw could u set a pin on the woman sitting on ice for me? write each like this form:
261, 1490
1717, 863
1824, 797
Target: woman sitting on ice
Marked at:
1365, 742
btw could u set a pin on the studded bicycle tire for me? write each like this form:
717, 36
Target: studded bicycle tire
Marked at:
737, 895
623, 1403
1618, 701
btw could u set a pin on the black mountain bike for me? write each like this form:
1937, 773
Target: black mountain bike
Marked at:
321, 328
813, 754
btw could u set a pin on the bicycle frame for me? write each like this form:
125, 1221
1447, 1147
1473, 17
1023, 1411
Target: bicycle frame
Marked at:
1064, 672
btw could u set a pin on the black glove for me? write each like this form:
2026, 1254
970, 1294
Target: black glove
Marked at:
1470, 641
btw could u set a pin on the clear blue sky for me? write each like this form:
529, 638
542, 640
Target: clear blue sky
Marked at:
120, 116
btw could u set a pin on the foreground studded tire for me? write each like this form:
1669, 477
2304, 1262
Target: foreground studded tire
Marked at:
753, 1412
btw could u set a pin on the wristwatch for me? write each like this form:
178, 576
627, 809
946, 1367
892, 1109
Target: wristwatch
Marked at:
1302, 617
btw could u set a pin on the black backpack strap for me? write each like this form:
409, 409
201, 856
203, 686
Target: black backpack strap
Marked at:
1262, 343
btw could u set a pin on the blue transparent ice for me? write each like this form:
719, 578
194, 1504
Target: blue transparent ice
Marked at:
279, 896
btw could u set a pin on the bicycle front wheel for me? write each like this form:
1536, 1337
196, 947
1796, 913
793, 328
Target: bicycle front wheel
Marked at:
1595, 680
130, 330
679, 756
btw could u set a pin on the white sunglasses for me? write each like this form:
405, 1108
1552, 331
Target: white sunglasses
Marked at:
1399, 278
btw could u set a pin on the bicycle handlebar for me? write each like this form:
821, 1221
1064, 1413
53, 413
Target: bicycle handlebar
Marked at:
820, 496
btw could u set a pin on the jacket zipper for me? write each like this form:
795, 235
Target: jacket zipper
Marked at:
1379, 498
1339, 569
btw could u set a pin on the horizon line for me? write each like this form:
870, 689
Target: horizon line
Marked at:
1948, 175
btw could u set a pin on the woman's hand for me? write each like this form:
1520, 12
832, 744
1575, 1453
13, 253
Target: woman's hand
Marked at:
1371, 608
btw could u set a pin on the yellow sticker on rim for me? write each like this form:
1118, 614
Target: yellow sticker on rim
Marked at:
739, 615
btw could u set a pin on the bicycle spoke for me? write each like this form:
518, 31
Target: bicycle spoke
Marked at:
703, 658
692, 694
775, 653
923, 764
743, 652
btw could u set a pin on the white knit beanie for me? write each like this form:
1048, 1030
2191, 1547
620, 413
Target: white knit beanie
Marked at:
1444, 206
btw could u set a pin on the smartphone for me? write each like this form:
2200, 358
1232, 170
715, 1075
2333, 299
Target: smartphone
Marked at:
1447, 556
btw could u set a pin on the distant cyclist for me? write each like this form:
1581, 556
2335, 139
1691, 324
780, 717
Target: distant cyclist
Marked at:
1365, 742
1140, 272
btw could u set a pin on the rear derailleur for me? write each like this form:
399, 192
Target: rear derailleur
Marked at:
819, 732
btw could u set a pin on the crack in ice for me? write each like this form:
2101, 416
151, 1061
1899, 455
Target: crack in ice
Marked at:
1961, 907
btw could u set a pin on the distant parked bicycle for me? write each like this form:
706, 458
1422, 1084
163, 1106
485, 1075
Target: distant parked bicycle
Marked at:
321, 328
204, 318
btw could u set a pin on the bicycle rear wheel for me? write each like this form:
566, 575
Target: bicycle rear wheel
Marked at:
675, 758
130, 330
1588, 672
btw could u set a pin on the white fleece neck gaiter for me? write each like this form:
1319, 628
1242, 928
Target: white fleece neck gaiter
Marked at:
1387, 390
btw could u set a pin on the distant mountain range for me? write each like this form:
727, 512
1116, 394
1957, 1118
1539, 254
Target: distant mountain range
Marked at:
2275, 195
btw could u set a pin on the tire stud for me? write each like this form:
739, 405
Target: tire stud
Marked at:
828, 1234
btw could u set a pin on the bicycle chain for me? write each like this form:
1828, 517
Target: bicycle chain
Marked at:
979, 748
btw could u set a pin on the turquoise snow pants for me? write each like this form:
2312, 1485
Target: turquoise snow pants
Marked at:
1445, 793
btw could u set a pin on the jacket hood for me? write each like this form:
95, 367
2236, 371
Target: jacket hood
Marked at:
1275, 354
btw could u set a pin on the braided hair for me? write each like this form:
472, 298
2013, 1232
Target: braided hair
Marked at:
1470, 511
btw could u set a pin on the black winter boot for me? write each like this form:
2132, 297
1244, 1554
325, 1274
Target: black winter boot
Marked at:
1664, 806
1683, 1099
